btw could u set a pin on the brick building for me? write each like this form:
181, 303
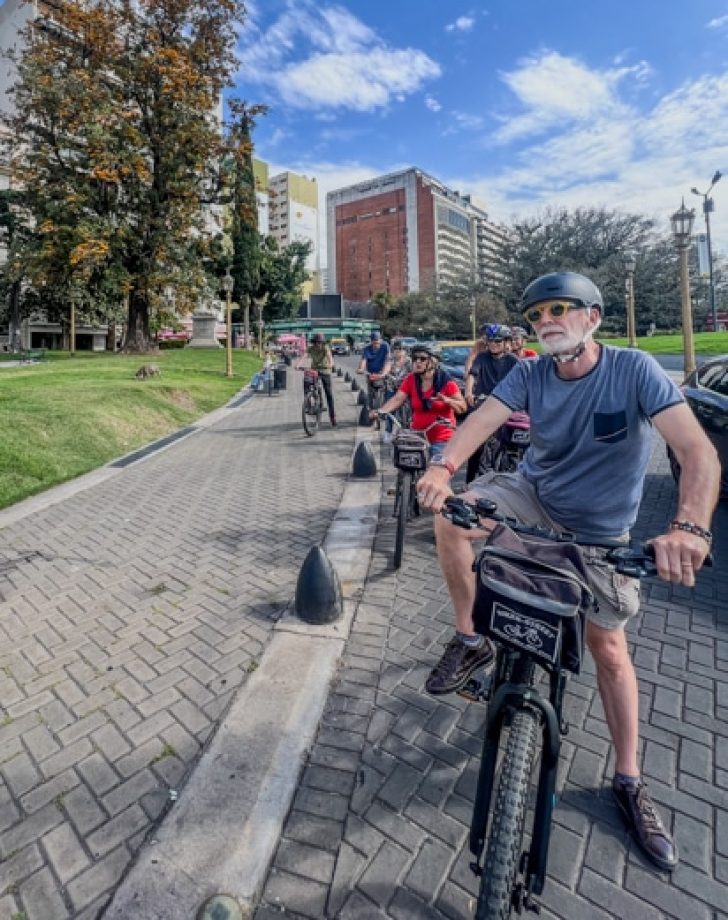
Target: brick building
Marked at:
407, 232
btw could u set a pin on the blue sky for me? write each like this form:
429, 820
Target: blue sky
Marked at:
524, 103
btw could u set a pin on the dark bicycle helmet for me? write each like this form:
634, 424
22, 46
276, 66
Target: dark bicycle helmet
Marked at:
319, 338
495, 332
425, 348
569, 285
518, 331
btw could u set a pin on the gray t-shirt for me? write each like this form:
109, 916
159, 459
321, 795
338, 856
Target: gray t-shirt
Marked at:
590, 437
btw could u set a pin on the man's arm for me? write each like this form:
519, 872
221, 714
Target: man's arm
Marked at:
679, 553
433, 488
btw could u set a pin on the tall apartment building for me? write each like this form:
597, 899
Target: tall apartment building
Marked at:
262, 196
406, 232
294, 217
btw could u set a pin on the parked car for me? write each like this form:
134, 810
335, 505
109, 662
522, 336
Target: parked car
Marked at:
408, 342
452, 359
340, 347
359, 346
706, 392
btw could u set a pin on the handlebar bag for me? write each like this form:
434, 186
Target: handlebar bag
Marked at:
533, 595
411, 450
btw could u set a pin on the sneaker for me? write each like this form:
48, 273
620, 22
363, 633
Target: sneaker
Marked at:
645, 823
457, 664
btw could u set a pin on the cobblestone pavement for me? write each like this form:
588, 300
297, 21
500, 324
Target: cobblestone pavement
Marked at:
378, 827
130, 614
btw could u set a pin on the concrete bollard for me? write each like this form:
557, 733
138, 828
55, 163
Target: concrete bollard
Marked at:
347, 377
338, 372
354, 386
361, 399
318, 589
364, 465
364, 417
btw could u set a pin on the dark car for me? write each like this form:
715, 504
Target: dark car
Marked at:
452, 361
706, 392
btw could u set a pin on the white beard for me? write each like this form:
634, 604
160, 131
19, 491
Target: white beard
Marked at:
565, 342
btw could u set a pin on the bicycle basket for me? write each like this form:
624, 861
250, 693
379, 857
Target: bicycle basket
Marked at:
411, 450
310, 377
533, 595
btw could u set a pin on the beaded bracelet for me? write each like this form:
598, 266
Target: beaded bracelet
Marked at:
696, 529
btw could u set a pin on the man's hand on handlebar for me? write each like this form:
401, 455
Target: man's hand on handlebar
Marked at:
433, 488
679, 555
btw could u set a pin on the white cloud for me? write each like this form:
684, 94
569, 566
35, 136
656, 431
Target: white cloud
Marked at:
720, 22
432, 104
555, 91
324, 58
467, 121
461, 24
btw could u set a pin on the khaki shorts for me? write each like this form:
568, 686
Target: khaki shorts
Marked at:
617, 596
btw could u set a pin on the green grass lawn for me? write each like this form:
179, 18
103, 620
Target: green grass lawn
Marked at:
706, 343
68, 415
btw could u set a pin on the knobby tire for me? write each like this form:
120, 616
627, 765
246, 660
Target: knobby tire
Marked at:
505, 842
405, 499
311, 413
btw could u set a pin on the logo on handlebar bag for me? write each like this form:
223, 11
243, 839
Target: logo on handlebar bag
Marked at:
540, 639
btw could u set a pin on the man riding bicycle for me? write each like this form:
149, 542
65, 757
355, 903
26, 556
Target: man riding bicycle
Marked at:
519, 337
488, 368
375, 360
432, 395
592, 409
319, 352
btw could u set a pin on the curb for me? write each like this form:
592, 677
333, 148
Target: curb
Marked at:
221, 836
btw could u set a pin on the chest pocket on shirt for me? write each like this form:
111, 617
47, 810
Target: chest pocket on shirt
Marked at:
610, 427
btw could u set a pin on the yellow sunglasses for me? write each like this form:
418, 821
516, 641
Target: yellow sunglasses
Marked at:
534, 314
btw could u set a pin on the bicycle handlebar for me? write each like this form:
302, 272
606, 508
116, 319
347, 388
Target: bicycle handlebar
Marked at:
627, 560
438, 421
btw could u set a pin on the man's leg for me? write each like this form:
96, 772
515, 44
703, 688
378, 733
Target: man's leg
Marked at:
326, 381
467, 651
617, 683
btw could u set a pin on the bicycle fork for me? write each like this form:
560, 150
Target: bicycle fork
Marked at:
509, 696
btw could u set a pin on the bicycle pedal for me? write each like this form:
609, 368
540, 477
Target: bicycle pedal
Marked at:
472, 690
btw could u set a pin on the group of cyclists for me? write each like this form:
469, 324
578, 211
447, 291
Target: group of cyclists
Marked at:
592, 408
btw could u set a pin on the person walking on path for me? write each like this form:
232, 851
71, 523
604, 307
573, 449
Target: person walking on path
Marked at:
592, 409
321, 360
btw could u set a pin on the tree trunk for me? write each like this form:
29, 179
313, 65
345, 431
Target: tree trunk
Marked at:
138, 339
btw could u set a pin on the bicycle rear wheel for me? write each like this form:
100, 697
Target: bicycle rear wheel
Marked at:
405, 498
505, 842
311, 413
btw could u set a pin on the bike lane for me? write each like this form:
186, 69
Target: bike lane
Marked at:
135, 603
379, 825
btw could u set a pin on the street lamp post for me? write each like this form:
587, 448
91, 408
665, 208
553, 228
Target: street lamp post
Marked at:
682, 228
227, 286
630, 264
473, 319
709, 206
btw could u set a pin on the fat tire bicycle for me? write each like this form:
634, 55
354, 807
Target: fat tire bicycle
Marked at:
313, 401
512, 877
411, 454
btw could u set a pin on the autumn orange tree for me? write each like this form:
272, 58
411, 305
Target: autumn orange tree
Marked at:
116, 143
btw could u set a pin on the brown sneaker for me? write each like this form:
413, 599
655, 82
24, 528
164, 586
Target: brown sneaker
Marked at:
645, 823
457, 664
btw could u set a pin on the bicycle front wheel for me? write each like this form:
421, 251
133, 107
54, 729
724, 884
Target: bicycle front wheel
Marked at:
311, 413
405, 498
505, 842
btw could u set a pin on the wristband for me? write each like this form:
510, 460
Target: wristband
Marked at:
690, 527
448, 464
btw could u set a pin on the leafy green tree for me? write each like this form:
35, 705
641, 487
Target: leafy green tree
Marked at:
282, 275
116, 144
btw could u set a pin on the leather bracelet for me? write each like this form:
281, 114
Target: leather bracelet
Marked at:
448, 464
693, 528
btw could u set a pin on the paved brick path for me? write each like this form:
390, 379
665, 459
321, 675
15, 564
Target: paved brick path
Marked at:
379, 824
129, 616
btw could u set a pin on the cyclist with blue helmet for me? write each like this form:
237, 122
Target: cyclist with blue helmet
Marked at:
489, 367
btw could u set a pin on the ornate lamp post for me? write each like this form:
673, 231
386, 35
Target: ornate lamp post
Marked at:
473, 319
709, 206
682, 228
630, 264
227, 286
